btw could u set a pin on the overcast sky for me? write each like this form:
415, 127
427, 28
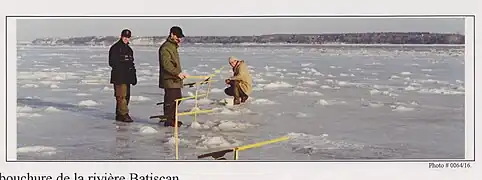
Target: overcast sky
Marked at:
29, 29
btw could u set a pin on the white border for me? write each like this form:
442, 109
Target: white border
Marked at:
469, 88
245, 7
261, 17
12, 92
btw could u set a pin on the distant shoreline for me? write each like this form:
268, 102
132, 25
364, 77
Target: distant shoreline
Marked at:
375, 38
274, 45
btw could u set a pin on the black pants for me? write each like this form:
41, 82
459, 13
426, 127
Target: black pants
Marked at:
122, 93
170, 96
234, 90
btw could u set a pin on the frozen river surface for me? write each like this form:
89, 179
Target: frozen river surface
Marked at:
334, 103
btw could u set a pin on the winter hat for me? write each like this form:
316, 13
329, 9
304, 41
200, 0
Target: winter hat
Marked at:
232, 58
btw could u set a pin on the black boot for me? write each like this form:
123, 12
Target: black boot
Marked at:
118, 117
243, 99
123, 118
128, 118
172, 123
236, 101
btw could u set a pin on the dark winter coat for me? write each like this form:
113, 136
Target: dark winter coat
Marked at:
121, 60
169, 65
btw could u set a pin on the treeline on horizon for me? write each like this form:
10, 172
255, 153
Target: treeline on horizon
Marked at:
347, 38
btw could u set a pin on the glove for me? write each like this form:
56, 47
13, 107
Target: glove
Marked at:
134, 76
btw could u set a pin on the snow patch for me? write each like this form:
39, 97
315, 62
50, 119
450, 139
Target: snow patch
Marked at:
42, 150
374, 91
230, 126
309, 144
394, 77
307, 64
139, 98
402, 109
329, 102
230, 111
88, 103
303, 77
172, 141
199, 101
25, 109
83, 94
442, 91
258, 80
54, 86
216, 142
302, 93
301, 115
108, 89
310, 83
292, 74
216, 90
52, 109
147, 130
277, 85
29, 86
197, 125
262, 102
28, 115
410, 88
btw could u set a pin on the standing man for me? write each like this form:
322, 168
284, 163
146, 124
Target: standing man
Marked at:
123, 74
170, 74
241, 81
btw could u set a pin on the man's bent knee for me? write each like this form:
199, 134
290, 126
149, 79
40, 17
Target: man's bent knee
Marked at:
229, 91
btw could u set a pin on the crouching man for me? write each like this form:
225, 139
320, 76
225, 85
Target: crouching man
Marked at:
240, 83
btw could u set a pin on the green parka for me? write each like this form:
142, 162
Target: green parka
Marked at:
169, 65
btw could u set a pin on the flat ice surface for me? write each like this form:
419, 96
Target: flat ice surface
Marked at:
334, 103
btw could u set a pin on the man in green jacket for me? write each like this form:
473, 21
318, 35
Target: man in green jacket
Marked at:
170, 74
